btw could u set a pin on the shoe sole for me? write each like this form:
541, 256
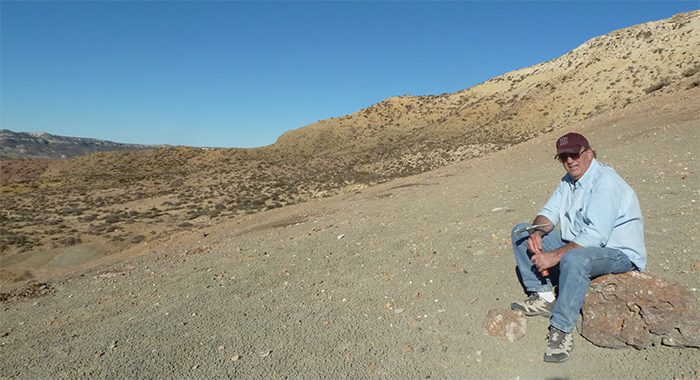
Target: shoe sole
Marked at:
552, 359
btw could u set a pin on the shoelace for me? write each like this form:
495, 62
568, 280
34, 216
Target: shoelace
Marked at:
554, 339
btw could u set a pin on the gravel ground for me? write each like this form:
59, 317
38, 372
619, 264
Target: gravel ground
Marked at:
393, 282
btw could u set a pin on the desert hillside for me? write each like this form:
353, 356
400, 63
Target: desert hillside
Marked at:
107, 202
388, 282
606, 73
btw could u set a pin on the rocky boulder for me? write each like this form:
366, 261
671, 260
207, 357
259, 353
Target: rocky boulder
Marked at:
638, 310
510, 324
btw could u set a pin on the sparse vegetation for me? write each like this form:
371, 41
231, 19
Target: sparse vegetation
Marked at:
691, 71
655, 87
123, 198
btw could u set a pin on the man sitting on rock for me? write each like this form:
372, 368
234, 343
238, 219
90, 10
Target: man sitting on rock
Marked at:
602, 232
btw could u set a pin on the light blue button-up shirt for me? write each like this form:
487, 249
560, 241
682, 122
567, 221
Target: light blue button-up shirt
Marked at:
599, 210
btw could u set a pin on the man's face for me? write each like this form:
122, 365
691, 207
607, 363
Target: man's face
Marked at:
576, 165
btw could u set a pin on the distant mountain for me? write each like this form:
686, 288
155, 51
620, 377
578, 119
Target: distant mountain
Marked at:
47, 146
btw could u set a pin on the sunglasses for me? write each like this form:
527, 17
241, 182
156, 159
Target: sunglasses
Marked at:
574, 156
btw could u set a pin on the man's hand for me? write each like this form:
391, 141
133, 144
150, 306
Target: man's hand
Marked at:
539, 258
534, 243
546, 260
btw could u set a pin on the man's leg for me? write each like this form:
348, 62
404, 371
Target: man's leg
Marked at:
541, 299
576, 269
532, 279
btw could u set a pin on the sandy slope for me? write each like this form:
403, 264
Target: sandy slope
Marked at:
393, 282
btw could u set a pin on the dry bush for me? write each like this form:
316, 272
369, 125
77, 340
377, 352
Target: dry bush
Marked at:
663, 83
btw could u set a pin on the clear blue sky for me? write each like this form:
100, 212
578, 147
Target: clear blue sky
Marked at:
239, 74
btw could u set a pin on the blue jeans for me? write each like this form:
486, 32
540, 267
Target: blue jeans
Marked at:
574, 272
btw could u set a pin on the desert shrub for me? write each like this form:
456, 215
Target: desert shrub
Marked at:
691, 71
88, 218
152, 214
663, 83
137, 239
260, 201
71, 240
19, 240
193, 214
13, 239
274, 205
185, 225
112, 218
94, 230
71, 210
177, 183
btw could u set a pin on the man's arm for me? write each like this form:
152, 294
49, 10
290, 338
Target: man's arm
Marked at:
599, 219
534, 243
541, 219
549, 215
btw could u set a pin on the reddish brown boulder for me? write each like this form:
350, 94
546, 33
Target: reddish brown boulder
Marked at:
509, 324
638, 310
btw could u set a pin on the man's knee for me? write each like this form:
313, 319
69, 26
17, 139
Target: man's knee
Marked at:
576, 257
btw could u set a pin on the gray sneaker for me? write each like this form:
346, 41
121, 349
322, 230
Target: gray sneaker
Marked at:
559, 347
534, 305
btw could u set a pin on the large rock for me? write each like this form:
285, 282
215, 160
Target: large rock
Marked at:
510, 324
639, 310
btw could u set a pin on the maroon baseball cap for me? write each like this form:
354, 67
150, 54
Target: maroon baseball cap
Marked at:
571, 143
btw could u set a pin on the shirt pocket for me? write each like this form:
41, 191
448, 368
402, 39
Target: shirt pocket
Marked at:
579, 221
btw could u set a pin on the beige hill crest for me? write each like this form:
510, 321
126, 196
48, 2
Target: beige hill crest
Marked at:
608, 72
